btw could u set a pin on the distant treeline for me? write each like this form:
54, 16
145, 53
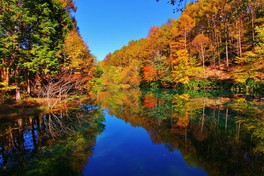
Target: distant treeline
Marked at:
214, 44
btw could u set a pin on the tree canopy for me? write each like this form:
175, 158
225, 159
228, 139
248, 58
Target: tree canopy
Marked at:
39, 40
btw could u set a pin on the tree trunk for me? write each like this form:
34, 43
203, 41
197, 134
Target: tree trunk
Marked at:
203, 117
227, 57
253, 17
28, 86
226, 122
226, 47
240, 45
5, 76
215, 49
240, 37
18, 95
203, 58
218, 51
238, 131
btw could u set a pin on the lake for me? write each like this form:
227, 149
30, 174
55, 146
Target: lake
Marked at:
140, 132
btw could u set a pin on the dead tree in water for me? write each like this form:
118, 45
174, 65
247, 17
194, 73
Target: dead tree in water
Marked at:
58, 90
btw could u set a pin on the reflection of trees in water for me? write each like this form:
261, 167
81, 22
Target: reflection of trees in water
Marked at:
210, 132
118, 102
61, 130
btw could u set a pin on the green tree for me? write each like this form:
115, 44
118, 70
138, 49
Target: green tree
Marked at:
50, 24
10, 26
32, 38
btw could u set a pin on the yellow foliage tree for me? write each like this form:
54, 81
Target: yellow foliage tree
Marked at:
201, 44
78, 61
180, 73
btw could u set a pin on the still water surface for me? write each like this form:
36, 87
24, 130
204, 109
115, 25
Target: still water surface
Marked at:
125, 150
134, 132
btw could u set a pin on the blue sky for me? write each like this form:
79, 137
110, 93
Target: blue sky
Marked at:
107, 25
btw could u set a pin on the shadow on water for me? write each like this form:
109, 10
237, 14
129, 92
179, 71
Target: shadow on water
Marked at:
58, 143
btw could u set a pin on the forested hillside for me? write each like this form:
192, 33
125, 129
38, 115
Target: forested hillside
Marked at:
214, 44
40, 43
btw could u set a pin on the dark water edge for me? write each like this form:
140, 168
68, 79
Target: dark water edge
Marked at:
58, 143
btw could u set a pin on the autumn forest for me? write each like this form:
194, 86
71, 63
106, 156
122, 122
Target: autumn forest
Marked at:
40, 44
185, 100
214, 44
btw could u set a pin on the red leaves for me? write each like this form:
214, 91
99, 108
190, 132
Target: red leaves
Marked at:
149, 101
149, 73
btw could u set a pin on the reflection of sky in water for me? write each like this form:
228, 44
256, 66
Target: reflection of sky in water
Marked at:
1, 158
125, 150
28, 137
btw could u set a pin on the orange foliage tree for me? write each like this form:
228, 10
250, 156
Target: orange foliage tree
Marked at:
149, 73
200, 44
78, 61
